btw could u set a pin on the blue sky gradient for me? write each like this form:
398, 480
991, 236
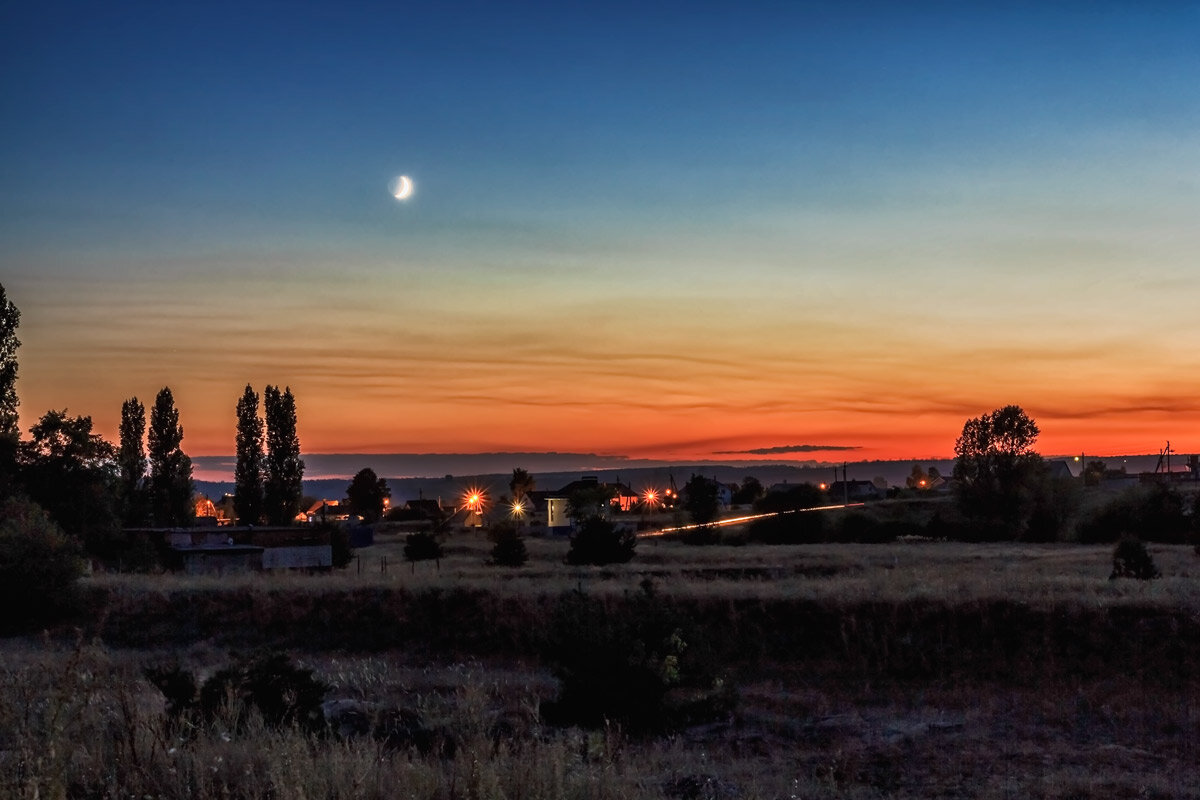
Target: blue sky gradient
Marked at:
635, 231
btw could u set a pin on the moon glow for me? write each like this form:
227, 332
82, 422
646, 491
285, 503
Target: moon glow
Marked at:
401, 187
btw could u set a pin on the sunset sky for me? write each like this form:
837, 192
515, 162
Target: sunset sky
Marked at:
690, 232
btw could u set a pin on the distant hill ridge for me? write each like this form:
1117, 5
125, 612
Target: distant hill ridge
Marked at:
448, 488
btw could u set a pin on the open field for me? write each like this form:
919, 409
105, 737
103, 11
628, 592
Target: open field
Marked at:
1043, 575
905, 670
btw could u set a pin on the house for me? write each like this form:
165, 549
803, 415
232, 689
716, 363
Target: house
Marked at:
226, 513
855, 491
324, 511
206, 512
620, 496
1060, 470
552, 508
425, 507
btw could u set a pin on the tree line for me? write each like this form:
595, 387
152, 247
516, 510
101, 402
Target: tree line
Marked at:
93, 491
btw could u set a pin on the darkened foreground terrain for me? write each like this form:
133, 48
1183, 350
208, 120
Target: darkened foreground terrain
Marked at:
901, 670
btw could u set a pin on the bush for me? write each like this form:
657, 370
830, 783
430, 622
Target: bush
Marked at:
1151, 513
284, 694
858, 526
600, 542
39, 568
797, 528
642, 665
1131, 559
422, 547
703, 535
802, 495
508, 545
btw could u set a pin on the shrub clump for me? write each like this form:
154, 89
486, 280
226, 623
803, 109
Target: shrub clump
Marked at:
508, 545
793, 528
598, 541
1131, 559
422, 547
641, 665
39, 568
1152, 513
285, 695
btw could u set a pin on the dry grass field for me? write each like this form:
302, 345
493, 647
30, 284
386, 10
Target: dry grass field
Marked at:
911, 670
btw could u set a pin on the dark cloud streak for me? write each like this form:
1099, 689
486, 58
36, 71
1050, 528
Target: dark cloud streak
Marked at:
786, 448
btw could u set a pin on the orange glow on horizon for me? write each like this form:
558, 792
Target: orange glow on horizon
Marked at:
556, 381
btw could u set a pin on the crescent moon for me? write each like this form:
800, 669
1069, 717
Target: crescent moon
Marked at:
402, 187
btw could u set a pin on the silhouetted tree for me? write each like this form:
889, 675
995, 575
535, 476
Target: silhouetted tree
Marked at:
598, 541
248, 472
71, 473
132, 463
508, 546
522, 483
1093, 473
10, 319
998, 472
366, 495
702, 499
10, 432
919, 479
284, 468
170, 468
589, 501
792, 498
749, 492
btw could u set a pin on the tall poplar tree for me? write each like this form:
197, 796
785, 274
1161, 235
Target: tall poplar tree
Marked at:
131, 462
248, 474
170, 468
10, 319
284, 469
10, 431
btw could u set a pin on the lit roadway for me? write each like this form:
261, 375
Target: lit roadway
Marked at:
748, 518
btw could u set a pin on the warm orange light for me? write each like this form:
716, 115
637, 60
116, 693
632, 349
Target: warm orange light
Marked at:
823, 487
474, 500
922, 481
518, 508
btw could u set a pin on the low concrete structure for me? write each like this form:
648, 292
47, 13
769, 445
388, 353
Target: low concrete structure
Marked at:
318, 556
221, 559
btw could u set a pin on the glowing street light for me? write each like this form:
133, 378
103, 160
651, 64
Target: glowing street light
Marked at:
518, 509
650, 498
474, 500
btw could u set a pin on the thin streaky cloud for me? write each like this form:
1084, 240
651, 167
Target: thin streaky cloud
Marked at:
787, 448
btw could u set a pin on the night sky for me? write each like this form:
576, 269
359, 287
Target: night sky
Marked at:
680, 232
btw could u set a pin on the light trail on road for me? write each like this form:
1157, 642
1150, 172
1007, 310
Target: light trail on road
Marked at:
748, 518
